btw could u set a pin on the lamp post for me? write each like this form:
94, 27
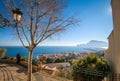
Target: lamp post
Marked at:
17, 14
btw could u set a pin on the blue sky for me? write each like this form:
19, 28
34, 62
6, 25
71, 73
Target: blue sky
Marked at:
95, 24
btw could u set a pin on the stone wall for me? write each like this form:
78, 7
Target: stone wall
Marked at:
2, 52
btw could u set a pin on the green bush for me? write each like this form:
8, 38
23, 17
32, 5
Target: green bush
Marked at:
5, 57
23, 58
12, 58
91, 68
49, 60
66, 74
62, 74
34, 62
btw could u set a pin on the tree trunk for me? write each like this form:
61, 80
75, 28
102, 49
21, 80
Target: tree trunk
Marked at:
29, 74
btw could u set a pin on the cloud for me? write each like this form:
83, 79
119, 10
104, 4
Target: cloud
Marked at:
109, 10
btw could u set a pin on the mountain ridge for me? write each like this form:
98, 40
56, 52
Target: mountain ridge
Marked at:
94, 44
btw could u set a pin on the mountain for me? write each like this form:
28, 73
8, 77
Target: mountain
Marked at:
94, 44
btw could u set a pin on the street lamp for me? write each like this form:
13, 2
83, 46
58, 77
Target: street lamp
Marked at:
17, 14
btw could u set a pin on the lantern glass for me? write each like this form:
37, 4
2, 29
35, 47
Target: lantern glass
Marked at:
18, 17
17, 14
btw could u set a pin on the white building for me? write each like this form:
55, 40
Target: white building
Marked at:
113, 52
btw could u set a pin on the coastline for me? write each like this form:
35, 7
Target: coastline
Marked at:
11, 51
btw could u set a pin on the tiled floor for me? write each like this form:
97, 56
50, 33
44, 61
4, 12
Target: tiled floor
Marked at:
14, 72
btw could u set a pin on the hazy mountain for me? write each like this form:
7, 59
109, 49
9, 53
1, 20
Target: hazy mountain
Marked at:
94, 44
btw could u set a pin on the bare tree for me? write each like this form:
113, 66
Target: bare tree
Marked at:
41, 20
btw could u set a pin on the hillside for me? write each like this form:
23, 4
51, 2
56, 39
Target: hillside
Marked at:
94, 44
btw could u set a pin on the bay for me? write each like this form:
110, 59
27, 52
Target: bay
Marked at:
11, 51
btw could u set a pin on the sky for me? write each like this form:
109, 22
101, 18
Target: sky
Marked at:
95, 24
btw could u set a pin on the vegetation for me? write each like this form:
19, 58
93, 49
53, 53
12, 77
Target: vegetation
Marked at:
49, 60
34, 62
5, 57
90, 68
46, 60
66, 74
12, 58
24, 59
59, 60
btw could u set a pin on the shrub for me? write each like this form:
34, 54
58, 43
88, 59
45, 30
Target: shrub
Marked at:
49, 60
91, 68
23, 58
66, 74
12, 58
5, 57
34, 62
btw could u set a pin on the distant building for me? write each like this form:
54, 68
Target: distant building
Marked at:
113, 52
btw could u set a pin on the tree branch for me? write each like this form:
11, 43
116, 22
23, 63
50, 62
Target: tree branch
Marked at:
20, 36
39, 39
49, 35
25, 35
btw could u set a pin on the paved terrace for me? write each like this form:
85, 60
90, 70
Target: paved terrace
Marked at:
14, 72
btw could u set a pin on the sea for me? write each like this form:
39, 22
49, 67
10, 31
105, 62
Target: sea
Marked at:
12, 51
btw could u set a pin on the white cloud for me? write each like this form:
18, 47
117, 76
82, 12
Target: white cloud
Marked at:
109, 10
